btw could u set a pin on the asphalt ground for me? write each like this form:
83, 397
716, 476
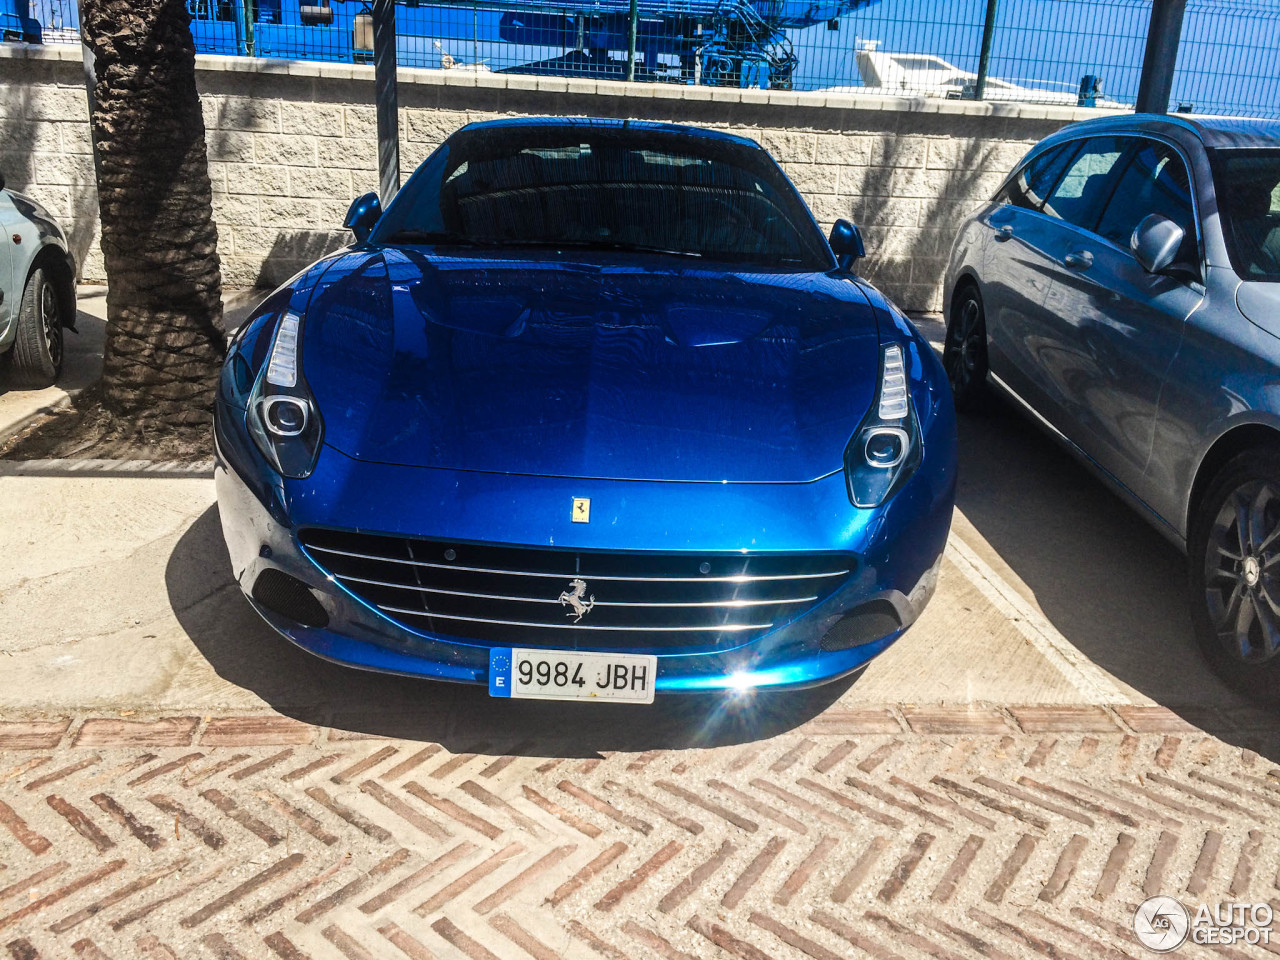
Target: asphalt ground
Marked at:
1040, 753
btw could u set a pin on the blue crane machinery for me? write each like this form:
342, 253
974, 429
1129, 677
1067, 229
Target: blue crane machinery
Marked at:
710, 42
16, 22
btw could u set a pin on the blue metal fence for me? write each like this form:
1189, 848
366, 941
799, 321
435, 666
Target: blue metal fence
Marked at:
1044, 51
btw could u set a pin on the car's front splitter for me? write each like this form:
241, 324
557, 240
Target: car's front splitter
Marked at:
806, 670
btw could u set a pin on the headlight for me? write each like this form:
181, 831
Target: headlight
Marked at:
282, 414
885, 449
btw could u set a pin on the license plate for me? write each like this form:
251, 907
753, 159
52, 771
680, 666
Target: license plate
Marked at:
569, 675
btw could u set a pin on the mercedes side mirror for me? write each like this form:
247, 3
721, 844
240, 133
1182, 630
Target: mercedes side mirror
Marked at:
1155, 242
363, 215
846, 244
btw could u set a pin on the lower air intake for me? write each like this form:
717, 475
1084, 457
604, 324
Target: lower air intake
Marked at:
865, 624
289, 597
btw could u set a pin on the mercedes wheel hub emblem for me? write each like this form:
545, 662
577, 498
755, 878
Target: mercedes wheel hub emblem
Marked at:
1251, 571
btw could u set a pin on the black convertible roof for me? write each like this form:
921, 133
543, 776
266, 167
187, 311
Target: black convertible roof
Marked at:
1213, 132
1235, 132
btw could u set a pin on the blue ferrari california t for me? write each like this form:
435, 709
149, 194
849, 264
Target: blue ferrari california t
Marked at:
592, 410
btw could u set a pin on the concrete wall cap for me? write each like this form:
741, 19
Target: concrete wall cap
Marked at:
40, 51
577, 86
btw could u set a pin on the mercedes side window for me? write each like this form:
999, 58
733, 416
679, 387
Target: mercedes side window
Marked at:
1032, 183
1087, 183
1154, 181
1248, 185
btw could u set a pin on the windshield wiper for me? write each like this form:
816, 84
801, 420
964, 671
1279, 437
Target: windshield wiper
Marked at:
412, 236
409, 235
586, 245
646, 248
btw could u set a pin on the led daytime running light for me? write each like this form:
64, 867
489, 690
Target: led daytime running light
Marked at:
282, 416
893, 385
282, 371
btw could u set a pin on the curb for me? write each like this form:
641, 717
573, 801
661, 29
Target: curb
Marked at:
105, 468
10, 430
73, 729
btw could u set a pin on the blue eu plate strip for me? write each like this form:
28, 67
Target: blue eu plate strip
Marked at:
500, 671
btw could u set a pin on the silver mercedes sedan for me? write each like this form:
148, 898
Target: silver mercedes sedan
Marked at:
1123, 287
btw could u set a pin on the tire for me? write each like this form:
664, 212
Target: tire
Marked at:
964, 354
36, 358
1235, 586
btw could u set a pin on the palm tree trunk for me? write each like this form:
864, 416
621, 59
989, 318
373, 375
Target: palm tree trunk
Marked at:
165, 336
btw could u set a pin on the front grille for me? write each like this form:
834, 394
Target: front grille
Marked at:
522, 596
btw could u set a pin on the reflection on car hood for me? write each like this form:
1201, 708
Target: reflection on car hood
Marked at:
649, 369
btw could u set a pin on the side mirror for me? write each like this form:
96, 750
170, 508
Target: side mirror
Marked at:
846, 244
1, 181
1155, 242
363, 215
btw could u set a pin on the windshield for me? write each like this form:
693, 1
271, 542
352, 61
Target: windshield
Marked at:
1248, 188
606, 189
923, 63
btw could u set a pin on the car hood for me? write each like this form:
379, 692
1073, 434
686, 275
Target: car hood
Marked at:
656, 370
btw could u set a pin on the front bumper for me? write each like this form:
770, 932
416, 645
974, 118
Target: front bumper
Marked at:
896, 548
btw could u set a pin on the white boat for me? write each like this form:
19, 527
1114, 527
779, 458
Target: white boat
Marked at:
449, 62
926, 75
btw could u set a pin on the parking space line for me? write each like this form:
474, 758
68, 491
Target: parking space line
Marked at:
1081, 672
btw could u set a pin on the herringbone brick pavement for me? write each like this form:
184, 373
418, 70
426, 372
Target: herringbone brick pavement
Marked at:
901, 832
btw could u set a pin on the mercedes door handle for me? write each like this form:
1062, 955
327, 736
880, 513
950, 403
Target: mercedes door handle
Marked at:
1079, 260
1004, 233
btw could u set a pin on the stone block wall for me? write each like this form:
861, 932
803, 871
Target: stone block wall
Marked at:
291, 143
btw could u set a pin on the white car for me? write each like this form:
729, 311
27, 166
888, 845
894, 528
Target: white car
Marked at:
925, 75
37, 292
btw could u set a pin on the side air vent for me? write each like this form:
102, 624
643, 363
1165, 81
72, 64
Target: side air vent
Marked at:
289, 597
864, 624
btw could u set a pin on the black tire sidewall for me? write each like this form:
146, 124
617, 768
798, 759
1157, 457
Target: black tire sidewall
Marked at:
30, 363
972, 398
45, 280
1259, 679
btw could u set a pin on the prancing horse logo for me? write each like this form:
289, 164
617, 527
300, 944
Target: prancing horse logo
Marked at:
573, 597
